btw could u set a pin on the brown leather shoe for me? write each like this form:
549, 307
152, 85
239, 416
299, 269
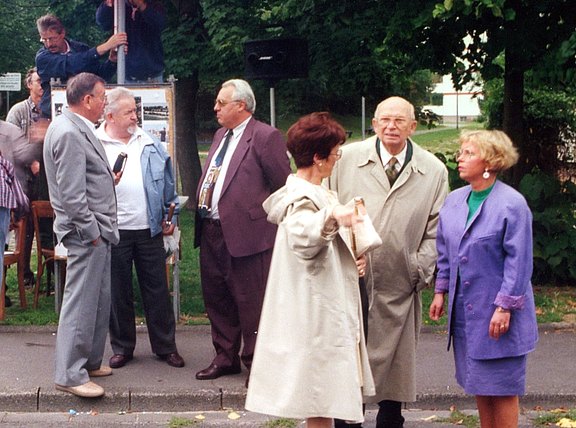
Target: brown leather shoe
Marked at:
100, 372
89, 389
173, 359
214, 372
119, 360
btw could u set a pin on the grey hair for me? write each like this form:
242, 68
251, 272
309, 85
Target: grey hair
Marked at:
114, 96
242, 92
81, 85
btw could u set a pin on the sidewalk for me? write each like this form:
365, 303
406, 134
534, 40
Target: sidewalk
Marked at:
147, 384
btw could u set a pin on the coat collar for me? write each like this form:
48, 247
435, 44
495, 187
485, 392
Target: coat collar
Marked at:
89, 134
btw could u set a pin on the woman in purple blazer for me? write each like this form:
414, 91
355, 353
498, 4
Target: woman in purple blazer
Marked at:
484, 246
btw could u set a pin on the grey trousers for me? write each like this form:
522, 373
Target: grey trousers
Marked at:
83, 324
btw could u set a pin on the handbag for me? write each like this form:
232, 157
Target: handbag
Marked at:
22, 203
363, 235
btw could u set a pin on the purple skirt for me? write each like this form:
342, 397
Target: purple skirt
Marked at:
496, 377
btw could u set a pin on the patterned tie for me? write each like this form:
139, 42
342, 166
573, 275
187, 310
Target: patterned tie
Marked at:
205, 200
391, 170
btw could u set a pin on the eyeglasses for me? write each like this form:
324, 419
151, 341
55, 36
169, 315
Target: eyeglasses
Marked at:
466, 154
49, 39
338, 154
100, 97
222, 103
399, 122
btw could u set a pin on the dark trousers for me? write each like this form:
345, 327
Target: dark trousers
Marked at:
147, 254
389, 414
233, 290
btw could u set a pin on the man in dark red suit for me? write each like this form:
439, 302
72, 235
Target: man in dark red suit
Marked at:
246, 163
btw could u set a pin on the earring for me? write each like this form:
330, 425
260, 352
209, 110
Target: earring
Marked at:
486, 174
319, 163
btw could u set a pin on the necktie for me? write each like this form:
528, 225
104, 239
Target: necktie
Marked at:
205, 200
391, 170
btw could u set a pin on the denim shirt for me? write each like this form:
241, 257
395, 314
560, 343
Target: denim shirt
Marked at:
158, 176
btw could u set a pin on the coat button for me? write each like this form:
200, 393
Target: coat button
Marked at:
466, 283
464, 259
469, 307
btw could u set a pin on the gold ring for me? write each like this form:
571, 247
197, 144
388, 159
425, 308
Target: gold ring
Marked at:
502, 326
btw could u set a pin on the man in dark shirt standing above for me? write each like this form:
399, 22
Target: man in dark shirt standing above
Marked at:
63, 58
145, 20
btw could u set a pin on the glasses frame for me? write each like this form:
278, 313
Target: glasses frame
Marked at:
465, 154
338, 154
222, 103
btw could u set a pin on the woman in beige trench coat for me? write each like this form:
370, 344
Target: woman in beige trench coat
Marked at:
310, 359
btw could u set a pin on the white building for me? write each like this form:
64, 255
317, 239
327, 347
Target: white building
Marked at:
457, 106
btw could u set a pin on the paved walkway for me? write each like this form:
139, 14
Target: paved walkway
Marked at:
147, 384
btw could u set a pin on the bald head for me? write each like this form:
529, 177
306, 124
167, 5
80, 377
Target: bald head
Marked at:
394, 121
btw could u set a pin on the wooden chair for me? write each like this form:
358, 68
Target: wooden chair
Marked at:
40, 210
11, 257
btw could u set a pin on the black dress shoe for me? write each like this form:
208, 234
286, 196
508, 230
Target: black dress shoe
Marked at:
119, 360
173, 359
214, 372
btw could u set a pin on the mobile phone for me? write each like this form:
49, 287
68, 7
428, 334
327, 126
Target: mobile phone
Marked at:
120, 162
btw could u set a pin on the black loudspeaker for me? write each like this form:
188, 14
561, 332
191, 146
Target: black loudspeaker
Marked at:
276, 59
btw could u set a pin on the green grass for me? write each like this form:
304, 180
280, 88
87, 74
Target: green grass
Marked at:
282, 423
553, 304
461, 419
552, 418
178, 422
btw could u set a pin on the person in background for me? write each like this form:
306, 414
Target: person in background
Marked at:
145, 20
13, 204
81, 186
16, 152
310, 359
485, 265
247, 162
403, 187
26, 116
144, 196
62, 58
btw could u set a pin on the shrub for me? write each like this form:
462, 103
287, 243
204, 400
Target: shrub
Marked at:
554, 227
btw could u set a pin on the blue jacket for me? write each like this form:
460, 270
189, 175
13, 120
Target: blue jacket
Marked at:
145, 56
492, 256
81, 58
157, 177
159, 185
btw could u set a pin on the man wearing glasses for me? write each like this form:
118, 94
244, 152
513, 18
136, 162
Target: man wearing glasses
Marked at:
82, 194
403, 187
246, 163
62, 58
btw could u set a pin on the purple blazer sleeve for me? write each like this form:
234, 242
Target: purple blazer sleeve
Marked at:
490, 260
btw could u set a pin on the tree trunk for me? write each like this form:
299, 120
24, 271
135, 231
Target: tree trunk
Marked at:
513, 120
187, 87
189, 167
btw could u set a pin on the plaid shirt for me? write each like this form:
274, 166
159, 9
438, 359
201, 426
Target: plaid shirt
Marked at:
7, 198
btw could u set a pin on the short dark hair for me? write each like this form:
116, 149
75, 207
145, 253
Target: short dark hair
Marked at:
315, 134
49, 22
28, 78
81, 85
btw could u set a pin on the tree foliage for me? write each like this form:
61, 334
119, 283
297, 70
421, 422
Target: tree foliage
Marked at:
521, 35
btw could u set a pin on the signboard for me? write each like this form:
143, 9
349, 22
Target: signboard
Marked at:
10, 81
154, 108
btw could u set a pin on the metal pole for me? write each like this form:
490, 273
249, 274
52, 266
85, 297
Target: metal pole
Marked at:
363, 118
272, 108
120, 27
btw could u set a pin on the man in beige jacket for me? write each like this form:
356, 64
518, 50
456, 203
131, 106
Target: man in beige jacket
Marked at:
403, 187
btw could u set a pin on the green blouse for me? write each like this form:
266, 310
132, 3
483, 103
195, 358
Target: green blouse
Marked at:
475, 200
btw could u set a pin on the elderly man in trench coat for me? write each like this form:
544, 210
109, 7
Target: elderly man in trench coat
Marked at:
403, 187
